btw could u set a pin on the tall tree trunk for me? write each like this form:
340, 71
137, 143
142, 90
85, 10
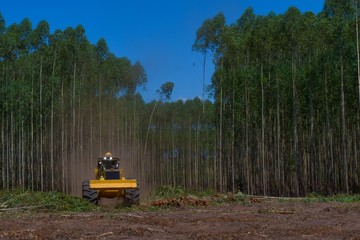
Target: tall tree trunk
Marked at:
311, 137
3, 163
63, 147
52, 127
41, 129
263, 132
331, 178
203, 83
233, 136
189, 164
32, 140
221, 140
73, 133
173, 154
343, 130
12, 150
278, 141
23, 143
247, 144
357, 51
295, 137
100, 115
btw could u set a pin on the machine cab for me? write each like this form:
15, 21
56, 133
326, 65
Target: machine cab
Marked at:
108, 167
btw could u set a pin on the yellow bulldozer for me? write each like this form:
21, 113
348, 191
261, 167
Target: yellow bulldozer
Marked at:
110, 182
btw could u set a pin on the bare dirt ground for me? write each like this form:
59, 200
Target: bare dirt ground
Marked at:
258, 220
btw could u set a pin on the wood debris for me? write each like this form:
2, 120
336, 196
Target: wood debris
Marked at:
276, 211
179, 202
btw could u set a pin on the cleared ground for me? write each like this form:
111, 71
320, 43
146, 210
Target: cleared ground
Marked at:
261, 219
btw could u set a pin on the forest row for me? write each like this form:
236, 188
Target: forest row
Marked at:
287, 100
284, 121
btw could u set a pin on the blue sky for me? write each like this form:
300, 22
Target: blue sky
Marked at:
158, 33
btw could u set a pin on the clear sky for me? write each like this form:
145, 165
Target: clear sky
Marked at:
158, 33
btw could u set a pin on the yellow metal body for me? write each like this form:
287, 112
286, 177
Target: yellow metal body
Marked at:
113, 184
112, 188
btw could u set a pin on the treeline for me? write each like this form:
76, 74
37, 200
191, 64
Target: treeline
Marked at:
285, 120
286, 100
181, 149
63, 102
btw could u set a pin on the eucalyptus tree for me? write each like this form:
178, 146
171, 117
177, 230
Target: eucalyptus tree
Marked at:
245, 25
207, 39
102, 52
355, 5
256, 56
164, 93
2, 101
339, 11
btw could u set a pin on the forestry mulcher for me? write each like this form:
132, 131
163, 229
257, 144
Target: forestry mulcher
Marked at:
110, 183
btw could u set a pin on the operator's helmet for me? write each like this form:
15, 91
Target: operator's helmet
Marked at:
108, 156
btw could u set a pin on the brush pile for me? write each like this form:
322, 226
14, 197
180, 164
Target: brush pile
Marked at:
19, 199
180, 202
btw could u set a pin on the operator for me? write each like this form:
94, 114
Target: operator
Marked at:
108, 155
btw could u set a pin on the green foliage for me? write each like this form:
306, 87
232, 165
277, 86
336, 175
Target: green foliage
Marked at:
203, 194
50, 201
169, 192
54, 87
208, 36
278, 86
276, 114
237, 198
166, 90
344, 198
208, 195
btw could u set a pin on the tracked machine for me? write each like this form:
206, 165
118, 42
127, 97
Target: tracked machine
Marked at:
110, 182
